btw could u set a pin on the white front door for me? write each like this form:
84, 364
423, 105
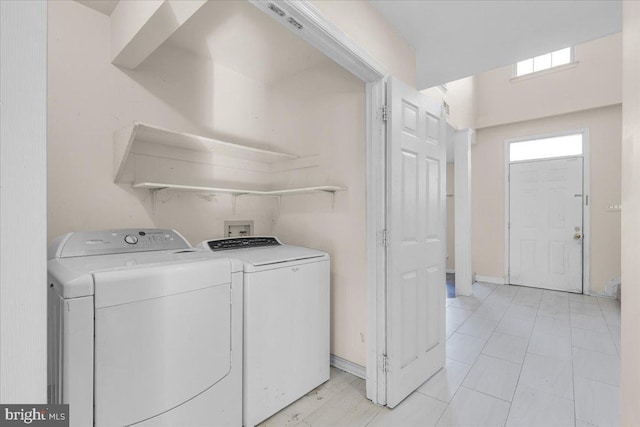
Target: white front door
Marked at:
416, 252
545, 235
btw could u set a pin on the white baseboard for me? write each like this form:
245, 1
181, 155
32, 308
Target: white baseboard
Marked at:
600, 295
490, 279
347, 366
451, 271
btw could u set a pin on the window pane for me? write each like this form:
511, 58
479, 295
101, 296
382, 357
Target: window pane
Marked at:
561, 57
524, 67
557, 146
542, 62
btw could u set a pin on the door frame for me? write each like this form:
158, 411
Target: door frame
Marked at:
586, 202
321, 33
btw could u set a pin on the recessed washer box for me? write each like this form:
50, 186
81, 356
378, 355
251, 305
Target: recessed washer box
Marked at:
238, 228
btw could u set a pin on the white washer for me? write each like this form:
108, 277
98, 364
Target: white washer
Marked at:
144, 330
286, 321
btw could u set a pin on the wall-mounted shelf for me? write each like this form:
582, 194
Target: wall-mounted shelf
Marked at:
164, 157
126, 138
239, 192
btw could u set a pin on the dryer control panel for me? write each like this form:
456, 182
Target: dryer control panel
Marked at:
86, 243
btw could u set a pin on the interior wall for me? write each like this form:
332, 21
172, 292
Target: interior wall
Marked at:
451, 205
595, 81
373, 33
88, 99
23, 209
460, 95
630, 356
488, 220
322, 113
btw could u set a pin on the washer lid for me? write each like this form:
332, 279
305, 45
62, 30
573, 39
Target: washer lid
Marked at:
258, 257
108, 242
74, 277
127, 285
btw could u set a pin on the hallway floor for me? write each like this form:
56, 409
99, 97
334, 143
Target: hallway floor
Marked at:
515, 356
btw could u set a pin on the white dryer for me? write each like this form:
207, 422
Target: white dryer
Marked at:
286, 321
143, 330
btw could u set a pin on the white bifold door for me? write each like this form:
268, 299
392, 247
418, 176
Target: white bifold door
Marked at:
416, 252
545, 229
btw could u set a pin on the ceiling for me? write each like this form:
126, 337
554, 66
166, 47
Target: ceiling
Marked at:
455, 39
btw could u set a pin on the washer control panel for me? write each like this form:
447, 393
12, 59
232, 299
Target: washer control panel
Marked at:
242, 243
85, 243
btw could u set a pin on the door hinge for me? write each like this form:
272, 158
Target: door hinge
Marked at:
384, 238
384, 112
384, 363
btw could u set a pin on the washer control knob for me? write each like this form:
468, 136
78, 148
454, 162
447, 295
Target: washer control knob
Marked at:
130, 239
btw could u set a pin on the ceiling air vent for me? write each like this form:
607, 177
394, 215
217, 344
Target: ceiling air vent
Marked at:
276, 9
294, 23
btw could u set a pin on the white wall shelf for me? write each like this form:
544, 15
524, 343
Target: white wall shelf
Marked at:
237, 191
124, 140
181, 160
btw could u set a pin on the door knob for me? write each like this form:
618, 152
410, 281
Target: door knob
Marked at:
577, 236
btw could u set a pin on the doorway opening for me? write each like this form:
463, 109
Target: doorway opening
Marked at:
547, 211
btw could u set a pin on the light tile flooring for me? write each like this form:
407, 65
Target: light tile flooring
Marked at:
515, 356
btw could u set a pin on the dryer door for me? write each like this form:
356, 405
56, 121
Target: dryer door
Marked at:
154, 354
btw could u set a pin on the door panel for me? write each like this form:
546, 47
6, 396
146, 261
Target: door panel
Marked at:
545, 237
416, 252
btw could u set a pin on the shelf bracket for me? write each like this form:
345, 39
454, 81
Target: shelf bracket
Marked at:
333, 198
153, 193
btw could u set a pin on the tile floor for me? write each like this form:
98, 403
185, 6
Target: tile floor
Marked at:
515, 356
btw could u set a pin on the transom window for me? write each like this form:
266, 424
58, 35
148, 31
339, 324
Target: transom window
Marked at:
544, 62
544, 148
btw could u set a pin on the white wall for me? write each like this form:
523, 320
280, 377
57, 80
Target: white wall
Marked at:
587, 95
487, 156
23, 280
322, 112
630, 369
594, 82
451, 205
461, 97
89, 99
